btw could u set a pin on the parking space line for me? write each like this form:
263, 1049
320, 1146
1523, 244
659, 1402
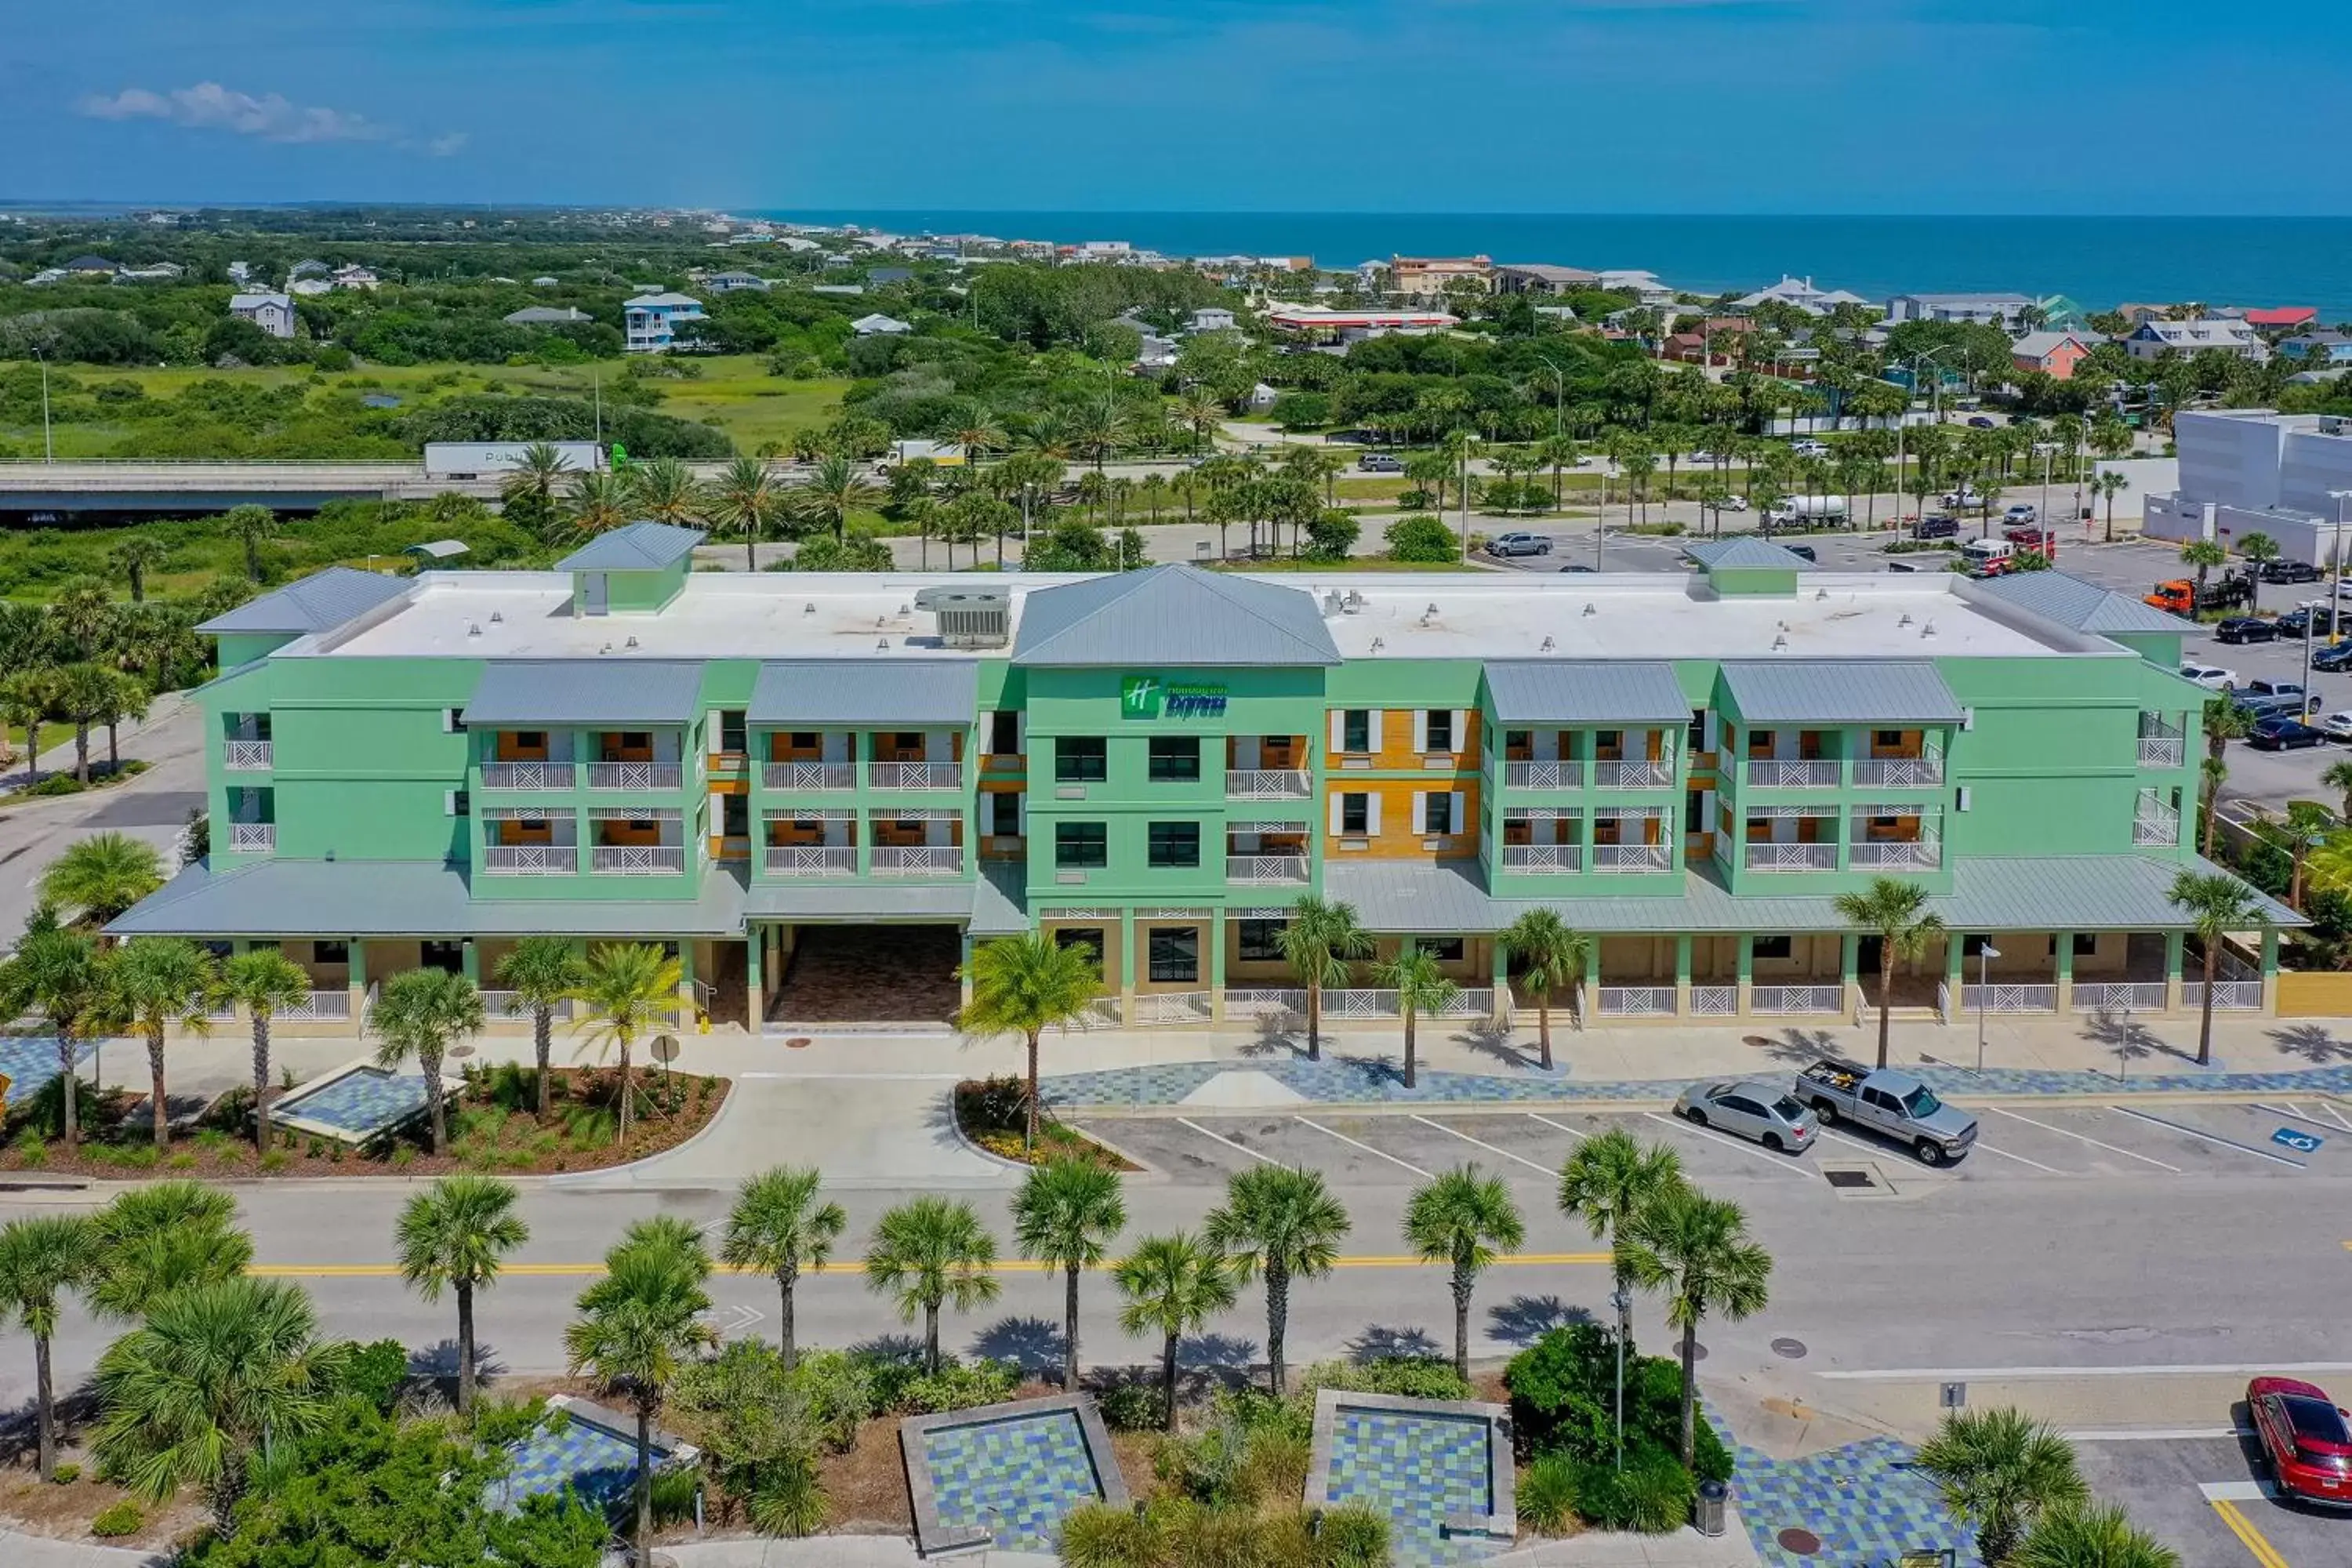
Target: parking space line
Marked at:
1237, 1148
2299, 1116
2251, 1538
2329, 1106
2213, 1137
1997, 1149
2068, 1132
1777, 1162
1556, 1127
1367, 1148
1506, 1154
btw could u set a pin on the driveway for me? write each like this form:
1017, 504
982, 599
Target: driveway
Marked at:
153, 806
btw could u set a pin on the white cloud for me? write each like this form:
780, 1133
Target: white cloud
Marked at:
272, 117
448, 144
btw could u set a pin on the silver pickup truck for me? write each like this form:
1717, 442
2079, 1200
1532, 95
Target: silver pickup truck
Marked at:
1892, 1104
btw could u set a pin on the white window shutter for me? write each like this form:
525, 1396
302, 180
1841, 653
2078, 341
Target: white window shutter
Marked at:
1375, 721
1419, 730
1420, 811
1338, 803
449, 802
715, 730
1020, 731
1372, 813
448, 721
1454, 812
1461, 729
1020, 814
1339, 730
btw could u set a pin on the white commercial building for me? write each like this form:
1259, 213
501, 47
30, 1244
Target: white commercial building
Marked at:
2252, 471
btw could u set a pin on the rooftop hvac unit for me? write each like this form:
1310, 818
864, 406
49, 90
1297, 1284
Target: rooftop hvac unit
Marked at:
970, 617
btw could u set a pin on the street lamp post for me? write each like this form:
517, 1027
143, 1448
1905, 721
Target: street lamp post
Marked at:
1622, 1300
1559, 397
1985, 955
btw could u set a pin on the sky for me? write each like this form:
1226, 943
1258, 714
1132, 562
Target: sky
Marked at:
2086, 107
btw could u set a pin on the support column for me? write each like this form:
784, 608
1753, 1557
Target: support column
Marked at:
358, 981
1127, 964
1849, 966
1219, 931
2270, 971
469, 961
685, 1003
1593, 982
755, 994
1746, 972
2175, 944
1682, 974
2066, 946
1956, 947
1500, 967
963, 968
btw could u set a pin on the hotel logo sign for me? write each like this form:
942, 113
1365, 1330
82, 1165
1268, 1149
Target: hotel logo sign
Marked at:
1148, 697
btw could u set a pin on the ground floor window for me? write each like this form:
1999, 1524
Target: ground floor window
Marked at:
447, 956
1773, 946
1090, 938
1260, 941
1175, 955
331, 952
1444, 949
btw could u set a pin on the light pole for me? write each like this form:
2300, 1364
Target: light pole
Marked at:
48, 443
1622, 1300
1559, 398
1985, 955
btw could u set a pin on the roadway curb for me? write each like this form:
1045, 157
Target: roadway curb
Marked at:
1425, 1107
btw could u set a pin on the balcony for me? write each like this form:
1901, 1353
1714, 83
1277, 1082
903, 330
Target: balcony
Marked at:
1553, 860
252, 837
1267, 783
1794, 857
803, 776
1632, 775
811, 861
914, 775
2159, 825
635, 775
1543, 776
1923, 855
1288, 871
528, 775
246, 756
1793, 775
2161, 751
1625, 857
917, 860
530, 859
1899, 772
639, 860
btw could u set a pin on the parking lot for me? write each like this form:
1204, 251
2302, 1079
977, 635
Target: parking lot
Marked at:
2284, 1138
2199, 1494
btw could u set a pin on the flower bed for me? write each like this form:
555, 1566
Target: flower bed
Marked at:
993, 1113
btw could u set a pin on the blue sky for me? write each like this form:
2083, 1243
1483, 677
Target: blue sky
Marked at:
1609, 106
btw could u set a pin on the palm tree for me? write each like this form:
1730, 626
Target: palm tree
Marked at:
2089, 1535
2109, 484
250, 526
636, 1327
157, 982
1065, 1215
1201, 414
1174, 1285
1548, 956
1319, 942
835, 489
1420, 988
216, 1371
530, 479
2217, 904
2203, 555
265, 982
2337, 776
2259, 549
779, 1227
1896, 912
422, 1012
452, 1237
1463, 1218
742, 500
543, 971
929, 1251
1609, 1183
626, 988
134, 558
1696, 1249
2306, 828
41, 1257
56, 972
1285, 1224
977, 433
1024, 986
1999, 1469
665, 490
101, 876
156, 1241
599, 502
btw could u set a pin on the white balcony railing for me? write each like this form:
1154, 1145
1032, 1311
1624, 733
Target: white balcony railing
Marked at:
499, 1004
639, 860
1632, 775
914, 775
1543, 776
1793, 775
1898, 773
246, 756
1286, 869
1471, 1002
1921, 853
2003, 998
1172, 1007
2161, 825
2229, 995
1264, 1002
1267, 783
917, 860
1637, 1001
808, 775
1622, 858
1788, 999
1546, 860
635, 775
529, 775
2115, 996
1714, 1001
319, 1004
2161, 751
530, 859
812, 860
1793, 856
252, 837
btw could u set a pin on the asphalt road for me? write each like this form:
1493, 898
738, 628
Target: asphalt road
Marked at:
153, 806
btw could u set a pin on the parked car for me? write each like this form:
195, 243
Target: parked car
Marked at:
1810, 448
2337, 726
1936, 525
1961, 499
1504, 544
1732, 504
2213, 678
2275, 699
1981, 422
1891, 1103
2280, 733
2333, 660
1764, 1113
1701, 456
1576, 567
1803, 552
2293, 623
1380, 463
2290, 572
2305, 1439
2022, 513
2244, 629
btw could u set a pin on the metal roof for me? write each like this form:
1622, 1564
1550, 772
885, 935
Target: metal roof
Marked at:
866, 692
634, 547
1582, 691
536, 691
2074, 603
1840, 691
1172, 615
1745, 555
318, 602
406, 898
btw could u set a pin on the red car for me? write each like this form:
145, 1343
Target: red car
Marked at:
2305, 1437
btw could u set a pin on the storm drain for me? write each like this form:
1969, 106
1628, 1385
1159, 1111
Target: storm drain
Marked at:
1789, 1350
1849, 1179
1798, 1541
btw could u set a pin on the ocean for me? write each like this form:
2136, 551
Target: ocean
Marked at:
2100, 262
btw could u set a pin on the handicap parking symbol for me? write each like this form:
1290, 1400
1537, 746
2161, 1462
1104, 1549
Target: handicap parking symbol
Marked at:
2301, 1143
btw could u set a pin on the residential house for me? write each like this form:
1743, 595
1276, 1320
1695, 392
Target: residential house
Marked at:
1211, 319
1645, 287
355, 277
650, 322
310, 288
2282, 318
731, 282
1974, 309
1432, 277
90, 266
310, 267
1800, 293
1543, 278
881, 275
547, 316
2150, 339
2327, 346
153, 272
880, 325
271, 311
240, 271
2054, 354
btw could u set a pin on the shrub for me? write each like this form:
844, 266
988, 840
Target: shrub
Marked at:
789, 1500
67, 1474
497, 1424
840, 1390
1404, 1376
1651, 1494
32, 1148
1132, 1407
1355, 1536
1422, 539
1547, 1494
1096, 1535
122, 1519
376, 1371
957, 1386
673, 1498
1562, 1393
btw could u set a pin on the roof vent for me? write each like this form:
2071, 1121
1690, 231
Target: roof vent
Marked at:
1779, 643
1588, 609
1428, 612
905, 610
607, 648
1332, 604
1906, 620
631, 643
1820, 593
1355, 601
882, 645
498, 617
881, 620
1928, 630
473, 628
809, 608
1378, 644
1546, 646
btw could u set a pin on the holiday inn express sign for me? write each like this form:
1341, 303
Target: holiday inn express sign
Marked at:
1148, 697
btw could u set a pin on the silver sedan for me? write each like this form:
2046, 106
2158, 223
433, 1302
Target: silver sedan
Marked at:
1766, 1113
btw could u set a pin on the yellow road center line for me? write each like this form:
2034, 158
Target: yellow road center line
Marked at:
2253, 1540
1002, 1265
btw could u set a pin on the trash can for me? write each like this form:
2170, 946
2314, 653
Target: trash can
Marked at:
1710, 1508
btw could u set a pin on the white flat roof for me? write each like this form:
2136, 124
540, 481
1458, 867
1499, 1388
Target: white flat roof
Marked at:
1478, 616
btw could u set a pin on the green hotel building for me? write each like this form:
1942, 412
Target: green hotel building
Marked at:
822, 790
